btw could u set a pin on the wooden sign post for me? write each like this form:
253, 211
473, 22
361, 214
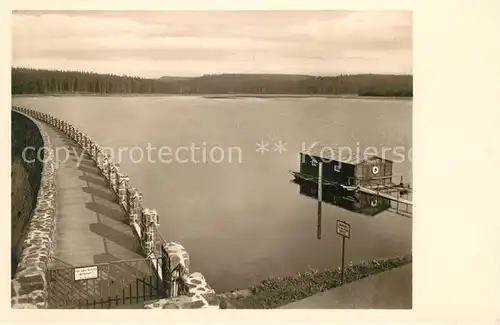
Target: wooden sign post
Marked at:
344, 230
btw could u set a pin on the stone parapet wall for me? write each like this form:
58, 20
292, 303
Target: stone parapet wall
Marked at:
29, 283
187, 290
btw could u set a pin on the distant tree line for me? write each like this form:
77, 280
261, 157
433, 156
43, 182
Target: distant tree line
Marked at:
33, 81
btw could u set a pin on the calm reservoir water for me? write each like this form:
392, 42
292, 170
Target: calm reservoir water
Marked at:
242, 220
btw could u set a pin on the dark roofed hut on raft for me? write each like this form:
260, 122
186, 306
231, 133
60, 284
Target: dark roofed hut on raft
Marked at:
345, 171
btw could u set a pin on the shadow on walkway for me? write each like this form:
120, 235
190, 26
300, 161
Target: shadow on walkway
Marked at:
105, 195
100, 209
113, 235
94, 180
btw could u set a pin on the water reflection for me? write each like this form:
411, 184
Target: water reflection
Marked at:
357, 202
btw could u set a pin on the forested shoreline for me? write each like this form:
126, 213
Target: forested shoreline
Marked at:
51, 82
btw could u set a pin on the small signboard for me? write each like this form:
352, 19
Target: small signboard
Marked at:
85, 273
343, 229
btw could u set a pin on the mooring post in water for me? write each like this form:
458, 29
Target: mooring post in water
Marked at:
320, 196
342, 265
397, 202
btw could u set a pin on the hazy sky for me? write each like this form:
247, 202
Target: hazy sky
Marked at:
153, 44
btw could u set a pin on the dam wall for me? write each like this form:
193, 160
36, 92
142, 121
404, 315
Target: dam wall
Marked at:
33, 211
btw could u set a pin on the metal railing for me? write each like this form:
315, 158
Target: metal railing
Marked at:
117, 282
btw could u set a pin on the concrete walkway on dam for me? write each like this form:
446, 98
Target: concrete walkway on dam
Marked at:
387, 290
91, 228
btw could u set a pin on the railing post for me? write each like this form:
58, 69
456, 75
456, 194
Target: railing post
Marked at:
135, 199
122, 189
128, 194
96, 154
88, 144
174, 278
85, 142
115, 182
155, 227
165, 269
90, 148
149, 220
98, 157
101, 160
111, 175
93, 152
175, 266
105, 167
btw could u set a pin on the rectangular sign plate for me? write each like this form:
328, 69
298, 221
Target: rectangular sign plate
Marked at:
85, 273
343, 229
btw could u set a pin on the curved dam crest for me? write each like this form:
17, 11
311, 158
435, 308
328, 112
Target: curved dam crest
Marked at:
37, 244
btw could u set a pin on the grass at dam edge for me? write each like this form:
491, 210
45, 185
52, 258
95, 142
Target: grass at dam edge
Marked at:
275, 292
